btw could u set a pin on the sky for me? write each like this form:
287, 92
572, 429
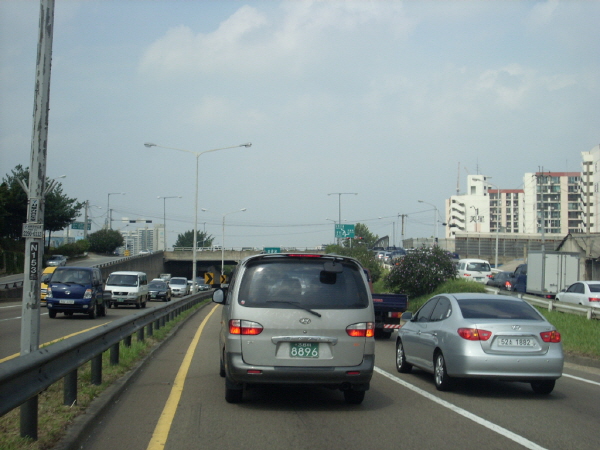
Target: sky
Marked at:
395, 101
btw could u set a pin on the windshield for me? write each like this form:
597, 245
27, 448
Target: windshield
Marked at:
497, 309
157, 286
178, 281
302, 283
122, 280
72, 276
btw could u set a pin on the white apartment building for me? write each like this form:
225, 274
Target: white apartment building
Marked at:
590, 180
558, 197
552, 203
144, 238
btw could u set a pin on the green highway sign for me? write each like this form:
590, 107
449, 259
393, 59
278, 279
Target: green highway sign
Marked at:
272, 250
344, 231
79, 226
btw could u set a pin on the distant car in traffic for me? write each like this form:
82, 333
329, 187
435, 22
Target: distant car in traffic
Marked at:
56, 261
159, 290
144, 252
480, 336
179, 286
501, 280
478, 270
586, 293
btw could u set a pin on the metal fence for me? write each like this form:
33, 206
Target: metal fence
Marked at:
23, 378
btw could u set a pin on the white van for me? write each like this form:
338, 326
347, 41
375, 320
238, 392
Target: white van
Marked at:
127, 288
474, 270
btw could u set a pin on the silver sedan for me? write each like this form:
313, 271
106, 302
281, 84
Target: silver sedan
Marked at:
480, 336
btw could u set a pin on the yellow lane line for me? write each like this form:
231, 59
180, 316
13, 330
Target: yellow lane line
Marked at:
163, 427
52, 342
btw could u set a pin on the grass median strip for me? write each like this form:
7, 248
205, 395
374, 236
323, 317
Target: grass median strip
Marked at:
54, 417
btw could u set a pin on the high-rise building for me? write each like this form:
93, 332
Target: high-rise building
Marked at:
590, 180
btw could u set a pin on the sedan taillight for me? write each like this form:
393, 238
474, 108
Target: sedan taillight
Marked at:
364, 329
550, 336
473, 334
244, 327
594, 299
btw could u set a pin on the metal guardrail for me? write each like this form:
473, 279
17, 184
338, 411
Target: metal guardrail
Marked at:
23, 378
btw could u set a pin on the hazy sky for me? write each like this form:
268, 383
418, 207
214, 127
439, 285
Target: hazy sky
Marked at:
385, 99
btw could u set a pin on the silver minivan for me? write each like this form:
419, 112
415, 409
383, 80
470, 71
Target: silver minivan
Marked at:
297, 319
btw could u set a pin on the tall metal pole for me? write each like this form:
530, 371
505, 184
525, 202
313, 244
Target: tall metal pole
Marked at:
165, 218
33, 230
339, 194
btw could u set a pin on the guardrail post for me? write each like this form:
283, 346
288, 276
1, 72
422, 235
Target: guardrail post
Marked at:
128, 341
70, 388
140, 334
157, 324
29, 418
114, 354
97, 370
150, 332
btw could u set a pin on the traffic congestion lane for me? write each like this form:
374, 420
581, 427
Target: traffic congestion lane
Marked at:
399, 409
52, 329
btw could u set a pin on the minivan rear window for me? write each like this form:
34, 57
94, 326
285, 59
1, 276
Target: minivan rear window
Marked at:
293, 283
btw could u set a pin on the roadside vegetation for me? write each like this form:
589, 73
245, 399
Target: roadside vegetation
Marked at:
54, 418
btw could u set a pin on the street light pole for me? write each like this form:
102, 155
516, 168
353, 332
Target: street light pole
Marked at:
165, 218
223, 239
197, 154
108, 211
339, 194
435, 218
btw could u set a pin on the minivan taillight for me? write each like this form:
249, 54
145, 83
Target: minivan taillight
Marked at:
244, 327
550, 336
363, 329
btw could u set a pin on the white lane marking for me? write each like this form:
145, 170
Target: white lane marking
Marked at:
11, 306
581, 379
19, 317
486, 423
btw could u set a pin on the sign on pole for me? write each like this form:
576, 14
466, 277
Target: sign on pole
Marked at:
34, 248
344, 231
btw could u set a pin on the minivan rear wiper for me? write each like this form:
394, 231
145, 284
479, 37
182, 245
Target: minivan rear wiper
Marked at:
297, 305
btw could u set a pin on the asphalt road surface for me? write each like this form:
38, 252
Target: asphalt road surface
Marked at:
178, 400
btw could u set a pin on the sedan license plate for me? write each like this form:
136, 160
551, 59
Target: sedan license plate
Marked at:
153, 294
304, 350
67, 302
516, 342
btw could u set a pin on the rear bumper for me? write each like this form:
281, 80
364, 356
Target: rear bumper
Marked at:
339, 377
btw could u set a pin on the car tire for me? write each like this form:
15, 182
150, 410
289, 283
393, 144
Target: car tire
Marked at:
353, 397
138, 305
401, 365
233, 392
442, 381
144, 302
543, 387
109, 304
92, 312
51, 313
221, 368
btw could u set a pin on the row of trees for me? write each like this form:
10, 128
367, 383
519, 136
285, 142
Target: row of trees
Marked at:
59, 211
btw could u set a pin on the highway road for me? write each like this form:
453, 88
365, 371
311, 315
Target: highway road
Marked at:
177, 399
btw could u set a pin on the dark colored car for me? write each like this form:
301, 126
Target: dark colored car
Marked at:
518, 279
76, 290
159, 290
501, 280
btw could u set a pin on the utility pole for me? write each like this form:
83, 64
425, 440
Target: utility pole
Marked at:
33, 230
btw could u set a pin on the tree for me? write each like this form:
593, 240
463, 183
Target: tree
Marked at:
420, 272
365, 256
364, 236
105, 241
59, 210
187, 239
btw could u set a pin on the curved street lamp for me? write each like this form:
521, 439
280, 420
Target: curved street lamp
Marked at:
435, 218
197, 155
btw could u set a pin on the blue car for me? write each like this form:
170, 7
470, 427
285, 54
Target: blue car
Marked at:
76, 290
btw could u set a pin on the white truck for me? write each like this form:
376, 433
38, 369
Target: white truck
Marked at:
549, 272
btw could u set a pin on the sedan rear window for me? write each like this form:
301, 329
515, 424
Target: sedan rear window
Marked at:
293, 283
594, 287
497, 309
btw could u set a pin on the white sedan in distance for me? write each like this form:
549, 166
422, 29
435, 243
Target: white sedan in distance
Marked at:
586, 293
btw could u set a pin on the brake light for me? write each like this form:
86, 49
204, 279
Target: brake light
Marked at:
550, 336
244, 327
473, 334
395, 315
490, 276
467, 274
303, 255
594, 299
364, 329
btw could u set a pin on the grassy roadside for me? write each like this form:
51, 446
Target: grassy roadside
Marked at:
54, 417
580, 336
